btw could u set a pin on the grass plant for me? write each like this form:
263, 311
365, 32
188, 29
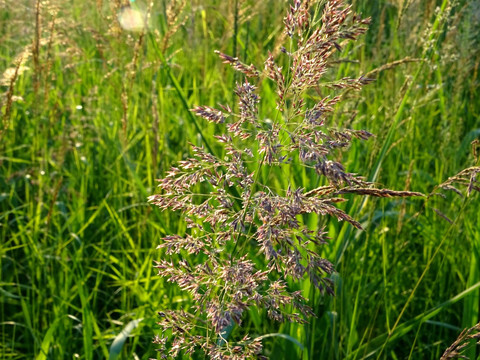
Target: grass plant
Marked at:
93, 113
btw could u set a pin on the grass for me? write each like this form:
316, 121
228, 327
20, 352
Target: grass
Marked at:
103, 115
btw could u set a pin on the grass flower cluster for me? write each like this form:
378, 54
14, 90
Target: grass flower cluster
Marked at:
278, 239
246, 241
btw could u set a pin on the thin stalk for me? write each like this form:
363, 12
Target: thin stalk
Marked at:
180, 93
427, 267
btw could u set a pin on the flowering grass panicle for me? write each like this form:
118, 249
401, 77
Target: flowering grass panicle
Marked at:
467, 337
245, 240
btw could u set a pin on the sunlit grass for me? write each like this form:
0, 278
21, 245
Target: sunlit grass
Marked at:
101, 116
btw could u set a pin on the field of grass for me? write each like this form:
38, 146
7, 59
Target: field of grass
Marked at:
92, 113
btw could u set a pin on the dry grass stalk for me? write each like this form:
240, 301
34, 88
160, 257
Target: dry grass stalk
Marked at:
139, 43
141, 24
176, 18
36, 47
379, 192
466, 177
18, 69
9, 97
49, 58
392, 65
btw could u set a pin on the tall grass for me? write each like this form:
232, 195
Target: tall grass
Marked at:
95, 115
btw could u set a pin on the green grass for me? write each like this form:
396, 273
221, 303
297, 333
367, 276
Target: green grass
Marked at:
82, 151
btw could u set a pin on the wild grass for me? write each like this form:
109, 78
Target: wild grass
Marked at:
92, 119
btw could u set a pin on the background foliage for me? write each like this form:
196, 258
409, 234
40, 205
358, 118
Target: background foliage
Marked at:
95, 116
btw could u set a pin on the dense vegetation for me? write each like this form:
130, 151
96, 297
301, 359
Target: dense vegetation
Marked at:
92, 113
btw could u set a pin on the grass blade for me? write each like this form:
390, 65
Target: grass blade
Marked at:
120, 339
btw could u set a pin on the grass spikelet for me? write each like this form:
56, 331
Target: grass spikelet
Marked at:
9, 97
176, 18
464, 340
248, 70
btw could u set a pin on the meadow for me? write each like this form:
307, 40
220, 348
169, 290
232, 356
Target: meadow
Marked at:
94, 111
